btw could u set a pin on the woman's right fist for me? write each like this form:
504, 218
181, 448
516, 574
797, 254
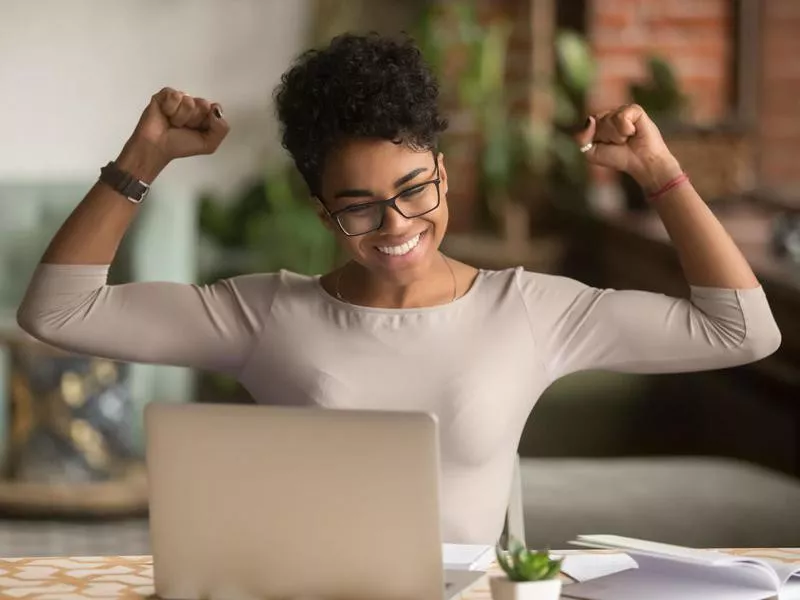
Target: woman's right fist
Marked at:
177, 125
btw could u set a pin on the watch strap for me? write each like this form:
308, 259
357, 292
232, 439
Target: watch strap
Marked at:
123, 182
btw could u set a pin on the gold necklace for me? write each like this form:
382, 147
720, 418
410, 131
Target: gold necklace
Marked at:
444, 258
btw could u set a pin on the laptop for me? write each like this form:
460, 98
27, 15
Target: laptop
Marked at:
262, 502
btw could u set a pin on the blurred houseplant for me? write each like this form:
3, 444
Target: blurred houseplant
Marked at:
269, 225
660, 94
517, 153
529, 575
661, 98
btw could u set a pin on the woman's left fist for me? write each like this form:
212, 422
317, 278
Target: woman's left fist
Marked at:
626, 139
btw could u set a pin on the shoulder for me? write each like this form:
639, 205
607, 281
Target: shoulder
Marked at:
262, 281
261, 289
531, 282
541, 292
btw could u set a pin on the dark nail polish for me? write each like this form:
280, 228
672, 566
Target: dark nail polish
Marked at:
218, 112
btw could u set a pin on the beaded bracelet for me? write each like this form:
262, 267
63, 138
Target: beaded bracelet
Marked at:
676, 181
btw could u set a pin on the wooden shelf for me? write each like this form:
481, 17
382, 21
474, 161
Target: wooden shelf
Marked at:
125, 496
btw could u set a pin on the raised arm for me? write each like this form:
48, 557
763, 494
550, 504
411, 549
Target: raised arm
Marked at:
727, 320
627, 140
577, 327
68, 303
172, 126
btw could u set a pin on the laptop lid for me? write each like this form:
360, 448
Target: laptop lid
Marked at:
256, 501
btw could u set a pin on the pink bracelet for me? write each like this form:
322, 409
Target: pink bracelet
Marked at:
668, 186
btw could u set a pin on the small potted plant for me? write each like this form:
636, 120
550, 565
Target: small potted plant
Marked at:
530, 575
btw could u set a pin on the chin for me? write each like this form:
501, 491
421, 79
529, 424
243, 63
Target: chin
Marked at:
400, 257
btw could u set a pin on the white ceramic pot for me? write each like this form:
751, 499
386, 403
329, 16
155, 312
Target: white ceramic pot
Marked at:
505, 589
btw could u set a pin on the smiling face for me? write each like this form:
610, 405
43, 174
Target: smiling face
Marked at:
362, 171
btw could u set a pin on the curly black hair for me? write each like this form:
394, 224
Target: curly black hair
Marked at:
358, 86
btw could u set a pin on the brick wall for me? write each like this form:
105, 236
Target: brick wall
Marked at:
696, 37
693, 35
779, 105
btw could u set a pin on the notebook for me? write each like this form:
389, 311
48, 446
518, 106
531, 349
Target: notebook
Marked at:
668, 572
467, 557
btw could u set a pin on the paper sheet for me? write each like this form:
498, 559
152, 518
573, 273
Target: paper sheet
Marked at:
583, 567
467, 557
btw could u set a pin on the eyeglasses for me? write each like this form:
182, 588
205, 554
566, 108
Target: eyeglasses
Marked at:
415, 201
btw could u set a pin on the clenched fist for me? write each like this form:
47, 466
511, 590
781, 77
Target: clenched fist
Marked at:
174, 125
626, 139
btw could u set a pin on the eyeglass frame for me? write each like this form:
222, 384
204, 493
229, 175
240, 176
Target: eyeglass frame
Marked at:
387, 203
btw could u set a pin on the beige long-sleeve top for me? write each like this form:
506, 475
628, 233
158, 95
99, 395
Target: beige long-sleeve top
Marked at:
479, 363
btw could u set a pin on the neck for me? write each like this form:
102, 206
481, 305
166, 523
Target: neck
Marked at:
437, 285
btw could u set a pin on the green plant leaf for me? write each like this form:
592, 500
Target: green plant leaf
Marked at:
660, 95
554, 570
494, 48
565, 112
574, 57
536, 137
521, 564
510, 148
515, 547
505, 563
569, 156
428, 36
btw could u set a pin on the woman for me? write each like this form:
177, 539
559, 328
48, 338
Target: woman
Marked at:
400, 326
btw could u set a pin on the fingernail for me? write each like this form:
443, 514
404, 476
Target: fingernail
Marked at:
217, 112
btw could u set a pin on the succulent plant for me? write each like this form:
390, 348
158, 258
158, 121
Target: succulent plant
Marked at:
521, 564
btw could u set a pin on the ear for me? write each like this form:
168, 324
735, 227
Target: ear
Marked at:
442, 173
323, 215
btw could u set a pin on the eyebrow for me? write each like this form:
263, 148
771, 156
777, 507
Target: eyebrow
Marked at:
368, 194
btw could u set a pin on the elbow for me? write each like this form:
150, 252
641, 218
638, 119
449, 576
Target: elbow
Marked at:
740, 321
58, 301
761, 342
40, 323
32, 322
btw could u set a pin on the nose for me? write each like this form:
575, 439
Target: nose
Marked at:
393, 221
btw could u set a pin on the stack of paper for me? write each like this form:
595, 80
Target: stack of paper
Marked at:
667, 572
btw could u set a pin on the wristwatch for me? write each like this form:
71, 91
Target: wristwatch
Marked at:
124, 183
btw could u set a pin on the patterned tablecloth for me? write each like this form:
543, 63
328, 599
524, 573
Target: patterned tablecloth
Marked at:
131, 577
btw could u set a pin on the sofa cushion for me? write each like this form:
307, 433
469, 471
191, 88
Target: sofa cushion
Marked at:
695, 501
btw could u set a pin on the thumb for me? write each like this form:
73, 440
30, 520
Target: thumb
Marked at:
216, 128
586, 135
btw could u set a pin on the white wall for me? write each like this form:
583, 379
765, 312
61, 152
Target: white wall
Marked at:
74, 77
76, 74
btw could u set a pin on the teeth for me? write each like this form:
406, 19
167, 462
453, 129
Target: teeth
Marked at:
402, 248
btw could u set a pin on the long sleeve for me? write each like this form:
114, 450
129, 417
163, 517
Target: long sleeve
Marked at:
577, 327
210, 327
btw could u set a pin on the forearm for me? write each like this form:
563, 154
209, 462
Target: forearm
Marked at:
708, 255
93, 232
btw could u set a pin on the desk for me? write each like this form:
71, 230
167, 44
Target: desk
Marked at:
130, 577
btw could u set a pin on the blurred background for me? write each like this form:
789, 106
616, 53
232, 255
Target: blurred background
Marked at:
707, 459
